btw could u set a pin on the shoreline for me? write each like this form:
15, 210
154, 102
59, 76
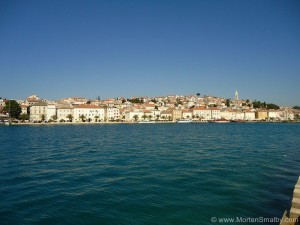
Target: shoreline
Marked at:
156, 122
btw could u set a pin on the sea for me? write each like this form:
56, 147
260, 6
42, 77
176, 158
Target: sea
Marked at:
147, 174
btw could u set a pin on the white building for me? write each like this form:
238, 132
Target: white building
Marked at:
38, 111
203, 113
131, 115
112, 114
51, 111
63, 113
24, 109
90, 113
187, 114
215, 113
249, 115
240, 115
273, 114
228, 114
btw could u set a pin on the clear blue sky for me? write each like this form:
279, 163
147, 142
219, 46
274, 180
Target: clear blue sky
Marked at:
151, 48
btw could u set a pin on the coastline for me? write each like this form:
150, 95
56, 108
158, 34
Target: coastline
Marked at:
156, 122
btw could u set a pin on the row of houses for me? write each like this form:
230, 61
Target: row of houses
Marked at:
84, 112
96, 113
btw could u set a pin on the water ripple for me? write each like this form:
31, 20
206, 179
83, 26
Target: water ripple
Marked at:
146, 174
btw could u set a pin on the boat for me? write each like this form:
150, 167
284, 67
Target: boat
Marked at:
185, 121
219, 121
7, 123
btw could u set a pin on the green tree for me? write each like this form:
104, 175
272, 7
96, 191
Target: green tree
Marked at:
150, 117
227, 102
135, 117
157, 117
43, 117
70, 117
96, 118
54, 117
24, 117
272, 106
144, 117
257, 104
198, 94
296, 107
82, 117
12, 108
170, 118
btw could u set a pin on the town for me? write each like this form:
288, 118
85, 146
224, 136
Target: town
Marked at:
193, 108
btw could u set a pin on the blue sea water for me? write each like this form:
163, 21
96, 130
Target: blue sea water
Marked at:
146, 173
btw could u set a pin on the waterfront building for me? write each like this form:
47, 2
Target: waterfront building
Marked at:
51, 111
239, 115
166, 115
202, 113
149, 114
112, 114
134, 115
38, 111
24, 109
228, 114
273, 115
249, 115
89, 113
177, 114
187, 114
261, 114
63, 112
215, 113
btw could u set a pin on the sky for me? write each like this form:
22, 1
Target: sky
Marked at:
114, 48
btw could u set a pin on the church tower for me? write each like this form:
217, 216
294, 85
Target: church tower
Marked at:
236, 99
236, 96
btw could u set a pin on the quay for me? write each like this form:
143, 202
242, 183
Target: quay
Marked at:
292, 217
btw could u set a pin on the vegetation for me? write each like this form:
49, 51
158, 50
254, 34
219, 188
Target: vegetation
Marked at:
144, 117
259, 104
136, 100
54, 117
296, 107
135, 117
43, 117
198, 94
227, 102
82, 117
96, 118
70, 117
13, 108
24, 117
